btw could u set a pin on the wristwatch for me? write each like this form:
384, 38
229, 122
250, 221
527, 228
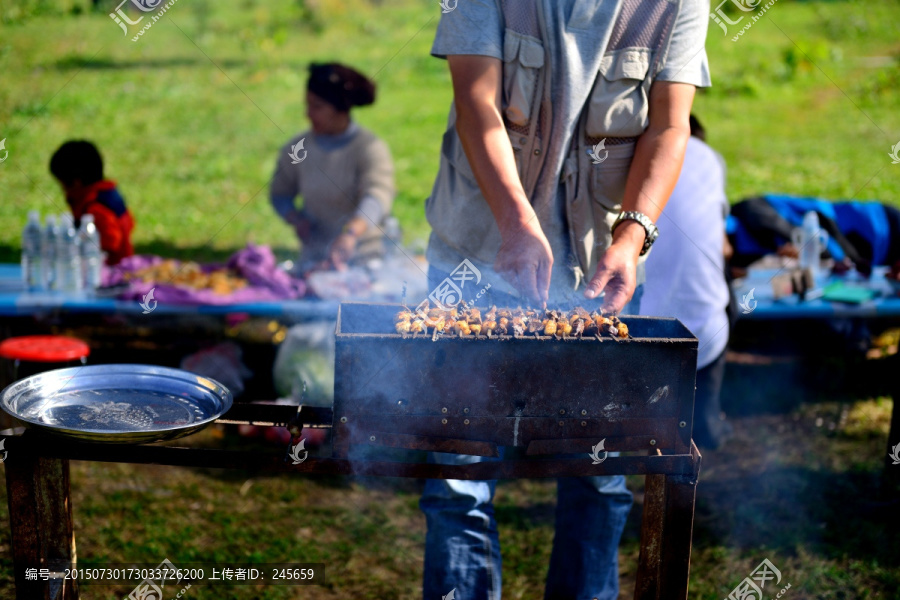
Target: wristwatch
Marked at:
649, 228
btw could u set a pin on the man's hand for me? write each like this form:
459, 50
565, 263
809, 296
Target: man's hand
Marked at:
616, 271
525, 259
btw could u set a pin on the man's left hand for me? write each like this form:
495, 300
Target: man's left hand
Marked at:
617, 270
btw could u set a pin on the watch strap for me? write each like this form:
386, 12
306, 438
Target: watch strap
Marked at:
650, 230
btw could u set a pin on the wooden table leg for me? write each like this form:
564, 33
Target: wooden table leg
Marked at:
40, 518
666, 531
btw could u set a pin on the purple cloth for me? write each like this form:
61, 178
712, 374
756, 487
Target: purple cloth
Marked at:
256, 264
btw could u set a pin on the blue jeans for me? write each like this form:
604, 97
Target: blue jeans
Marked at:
462, 547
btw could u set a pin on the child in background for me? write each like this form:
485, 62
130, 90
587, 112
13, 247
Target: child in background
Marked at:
78, 167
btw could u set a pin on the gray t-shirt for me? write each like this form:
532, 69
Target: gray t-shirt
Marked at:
581, 77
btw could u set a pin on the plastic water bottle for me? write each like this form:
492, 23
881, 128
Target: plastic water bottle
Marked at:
91, 254
811, 240
48, 253
31, 253
810, 251
68, 258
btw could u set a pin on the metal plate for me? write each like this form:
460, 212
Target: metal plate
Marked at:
119, 404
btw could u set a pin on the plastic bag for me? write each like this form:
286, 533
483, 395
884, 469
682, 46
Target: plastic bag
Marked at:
221, 362
304, 365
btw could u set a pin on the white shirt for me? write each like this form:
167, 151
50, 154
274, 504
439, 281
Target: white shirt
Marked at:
686, 269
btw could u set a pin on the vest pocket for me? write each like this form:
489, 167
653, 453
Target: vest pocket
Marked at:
523, 57
618, 104
606, 182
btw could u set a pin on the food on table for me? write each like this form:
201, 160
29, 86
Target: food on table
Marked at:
517, 322
340, 285
191, 275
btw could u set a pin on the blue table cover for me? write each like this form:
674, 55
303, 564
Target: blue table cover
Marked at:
886, 302
16, 301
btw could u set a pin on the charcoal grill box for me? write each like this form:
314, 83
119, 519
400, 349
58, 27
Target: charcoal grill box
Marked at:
547, 395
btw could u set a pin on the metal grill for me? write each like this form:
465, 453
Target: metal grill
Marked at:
546, 395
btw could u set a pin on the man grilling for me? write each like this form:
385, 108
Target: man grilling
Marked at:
564, 140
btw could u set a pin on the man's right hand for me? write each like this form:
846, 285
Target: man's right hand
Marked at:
525, 260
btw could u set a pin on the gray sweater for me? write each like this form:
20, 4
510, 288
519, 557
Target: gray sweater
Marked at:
337, 181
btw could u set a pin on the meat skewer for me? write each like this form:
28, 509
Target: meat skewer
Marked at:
504, 321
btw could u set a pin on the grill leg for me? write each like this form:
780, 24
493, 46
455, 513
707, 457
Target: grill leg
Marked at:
665, 558
40, 518
647, 580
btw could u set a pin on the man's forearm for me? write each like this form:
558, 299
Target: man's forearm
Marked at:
657, 160
490, 155
655, 170
524, 258
479, 124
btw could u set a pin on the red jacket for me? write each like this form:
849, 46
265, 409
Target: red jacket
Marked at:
113, 221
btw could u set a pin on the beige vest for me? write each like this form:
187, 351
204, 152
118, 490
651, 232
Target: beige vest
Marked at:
616, 114
615, 110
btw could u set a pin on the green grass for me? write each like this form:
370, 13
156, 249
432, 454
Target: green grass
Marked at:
190, 119
797, 109
796, 488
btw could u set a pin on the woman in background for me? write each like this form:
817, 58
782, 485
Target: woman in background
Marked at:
343, 173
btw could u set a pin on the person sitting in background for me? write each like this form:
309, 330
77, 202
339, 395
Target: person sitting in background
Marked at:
78, 167
686, 275
343, 172
861, 234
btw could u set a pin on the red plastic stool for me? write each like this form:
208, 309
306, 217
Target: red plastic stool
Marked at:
32, 354
44, 349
